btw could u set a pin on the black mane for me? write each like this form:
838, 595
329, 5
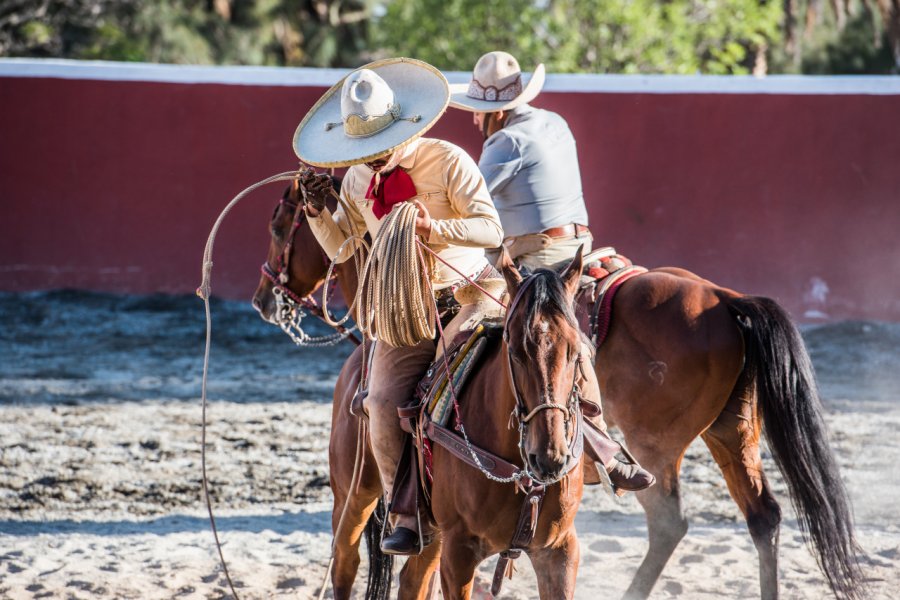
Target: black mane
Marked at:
546, 298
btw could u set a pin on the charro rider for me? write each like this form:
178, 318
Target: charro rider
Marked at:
530, 164
372, 121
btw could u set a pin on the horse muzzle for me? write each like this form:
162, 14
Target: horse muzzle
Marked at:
549, 466
264, 303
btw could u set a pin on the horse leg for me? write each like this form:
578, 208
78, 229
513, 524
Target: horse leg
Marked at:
556, 568
416, 575
666, 526
460, 556
359, 507
733, 440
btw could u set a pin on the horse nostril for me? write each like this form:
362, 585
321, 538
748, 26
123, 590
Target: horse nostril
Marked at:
256, 304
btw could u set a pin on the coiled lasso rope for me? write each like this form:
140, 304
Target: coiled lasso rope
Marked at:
394, 298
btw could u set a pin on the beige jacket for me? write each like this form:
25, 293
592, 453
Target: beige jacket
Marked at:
449, 184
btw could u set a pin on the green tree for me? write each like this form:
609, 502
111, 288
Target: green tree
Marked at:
619, 36
599, 36
846, 36
323, 33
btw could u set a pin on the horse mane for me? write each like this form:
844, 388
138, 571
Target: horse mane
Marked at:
547, 298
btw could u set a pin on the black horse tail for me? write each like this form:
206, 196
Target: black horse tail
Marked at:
381, 566
776, 359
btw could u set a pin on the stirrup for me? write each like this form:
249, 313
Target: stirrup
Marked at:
403, 541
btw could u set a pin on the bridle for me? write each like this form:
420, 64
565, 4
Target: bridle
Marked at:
290, 308
571, 410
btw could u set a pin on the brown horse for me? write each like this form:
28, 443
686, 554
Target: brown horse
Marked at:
686, 358
542, 334
476, 517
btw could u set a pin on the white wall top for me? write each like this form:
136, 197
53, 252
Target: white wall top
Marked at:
579, 83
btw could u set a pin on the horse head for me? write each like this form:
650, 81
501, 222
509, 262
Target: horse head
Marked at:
295, 265
543, 343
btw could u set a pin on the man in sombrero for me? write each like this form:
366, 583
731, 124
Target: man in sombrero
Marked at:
372, 121
530, 163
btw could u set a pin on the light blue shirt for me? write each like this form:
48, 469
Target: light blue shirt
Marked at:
531, 169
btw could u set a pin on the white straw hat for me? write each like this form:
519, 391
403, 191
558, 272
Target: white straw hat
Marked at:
496, 85
372, 112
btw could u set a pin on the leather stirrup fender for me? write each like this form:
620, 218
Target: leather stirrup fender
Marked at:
598, 446
590, 408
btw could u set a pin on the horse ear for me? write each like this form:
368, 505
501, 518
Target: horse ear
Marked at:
510, 273
571, 277
295, 190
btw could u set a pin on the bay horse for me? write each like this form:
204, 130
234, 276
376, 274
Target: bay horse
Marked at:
543, 335
684, 358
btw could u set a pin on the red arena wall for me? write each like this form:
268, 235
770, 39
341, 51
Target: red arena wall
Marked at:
111, 176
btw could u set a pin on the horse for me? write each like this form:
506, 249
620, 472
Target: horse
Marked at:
543, 334
684, 358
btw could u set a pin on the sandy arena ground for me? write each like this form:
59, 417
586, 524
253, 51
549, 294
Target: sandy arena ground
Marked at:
100, 464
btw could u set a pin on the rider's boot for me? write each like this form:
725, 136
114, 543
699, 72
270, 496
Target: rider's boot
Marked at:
405, 539
406, 507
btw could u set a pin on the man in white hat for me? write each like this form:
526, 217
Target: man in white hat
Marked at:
530, 163
372, 121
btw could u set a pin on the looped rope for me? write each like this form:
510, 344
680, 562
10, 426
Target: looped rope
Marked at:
395, 298
361, 244
204, 292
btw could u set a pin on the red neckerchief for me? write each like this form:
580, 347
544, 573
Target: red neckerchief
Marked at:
394, 187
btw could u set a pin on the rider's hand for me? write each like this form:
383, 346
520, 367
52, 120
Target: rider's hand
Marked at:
423, 220
318, 188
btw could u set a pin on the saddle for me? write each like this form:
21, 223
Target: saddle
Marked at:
604, 273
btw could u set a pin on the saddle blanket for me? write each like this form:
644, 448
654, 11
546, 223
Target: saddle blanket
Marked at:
436, 390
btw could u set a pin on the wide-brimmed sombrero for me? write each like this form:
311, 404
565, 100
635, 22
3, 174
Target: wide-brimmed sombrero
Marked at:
496, 85
372, 112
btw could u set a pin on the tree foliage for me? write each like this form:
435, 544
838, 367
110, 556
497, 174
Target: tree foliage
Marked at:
599, 36
319, 33
606, 36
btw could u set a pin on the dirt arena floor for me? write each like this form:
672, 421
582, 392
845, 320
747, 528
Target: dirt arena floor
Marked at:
100, 463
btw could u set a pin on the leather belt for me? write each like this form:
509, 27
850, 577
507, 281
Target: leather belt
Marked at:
572, 229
